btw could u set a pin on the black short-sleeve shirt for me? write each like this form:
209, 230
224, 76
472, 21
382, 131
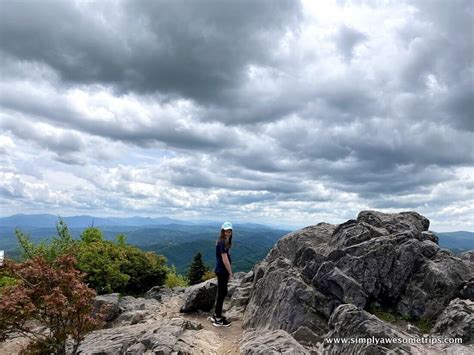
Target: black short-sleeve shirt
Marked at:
220, 249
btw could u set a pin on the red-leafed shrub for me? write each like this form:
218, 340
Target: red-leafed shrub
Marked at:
50, 304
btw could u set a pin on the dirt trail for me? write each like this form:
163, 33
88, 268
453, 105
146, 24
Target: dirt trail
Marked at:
226, 338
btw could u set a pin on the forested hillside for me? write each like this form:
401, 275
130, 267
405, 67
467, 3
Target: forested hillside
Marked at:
177, 242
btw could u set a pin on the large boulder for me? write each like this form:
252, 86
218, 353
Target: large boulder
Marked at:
108, 305
129, 303
175, 336
282, 300
467, 256
159, 293
395, 222
436, 282
363, 333
457, 321
200, 297
270, 342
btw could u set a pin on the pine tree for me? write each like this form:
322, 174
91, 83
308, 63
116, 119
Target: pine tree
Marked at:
197, 270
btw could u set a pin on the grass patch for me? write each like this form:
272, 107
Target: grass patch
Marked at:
425, 324
384, 314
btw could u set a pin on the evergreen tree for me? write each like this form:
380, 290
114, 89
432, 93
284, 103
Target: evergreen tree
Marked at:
197, 270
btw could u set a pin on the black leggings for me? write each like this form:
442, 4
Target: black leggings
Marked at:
222, 280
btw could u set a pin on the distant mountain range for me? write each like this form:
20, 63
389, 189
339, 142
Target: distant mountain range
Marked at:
456, 241
178, 240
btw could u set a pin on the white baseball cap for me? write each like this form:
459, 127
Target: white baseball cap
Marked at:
226, 226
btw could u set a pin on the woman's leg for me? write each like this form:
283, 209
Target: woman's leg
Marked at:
221, 293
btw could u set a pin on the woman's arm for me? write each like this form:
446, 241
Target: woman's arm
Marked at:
226, 261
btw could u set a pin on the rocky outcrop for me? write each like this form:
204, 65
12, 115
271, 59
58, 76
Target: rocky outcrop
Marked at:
282, 300
175, 336
433, 285
270, 342
355, 331
240, 297
457, 321
200, 297
234, 283
390, 259
467, 256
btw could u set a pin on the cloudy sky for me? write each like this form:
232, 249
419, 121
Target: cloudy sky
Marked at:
279, 112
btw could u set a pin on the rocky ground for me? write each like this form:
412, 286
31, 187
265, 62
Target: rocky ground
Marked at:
155, 325
378, 276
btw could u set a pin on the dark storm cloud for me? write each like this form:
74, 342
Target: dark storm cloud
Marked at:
199, 50
59, 112
442, 50
61, 142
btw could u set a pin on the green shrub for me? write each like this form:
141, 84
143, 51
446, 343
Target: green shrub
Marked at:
59, 245
102, 262
6, 281
109, 266
144, 269
173, 279
208, 275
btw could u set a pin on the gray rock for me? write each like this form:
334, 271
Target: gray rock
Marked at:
109, 303
467, 290
282, 300
130, 317
240, 297
467, 256
433, 285
289, 246
343, 287
178, 289
353, 232
200, 297
427, 235
248, 277
159, 293
457, 321
159, 337
307, 337
234, 282
266, 342
129, 303
395, 222
351, 322
392, 259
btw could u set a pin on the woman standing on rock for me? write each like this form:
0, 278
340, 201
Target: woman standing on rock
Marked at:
223, 271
